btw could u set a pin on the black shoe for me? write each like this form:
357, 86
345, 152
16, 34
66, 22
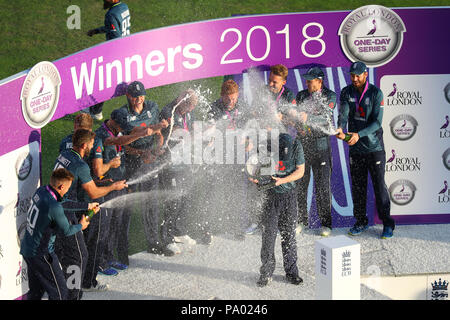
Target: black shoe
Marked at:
154, 250
159, 250
167, 252
263, 281
294, 279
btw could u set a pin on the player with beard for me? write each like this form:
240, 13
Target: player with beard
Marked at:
361, 109
72, 250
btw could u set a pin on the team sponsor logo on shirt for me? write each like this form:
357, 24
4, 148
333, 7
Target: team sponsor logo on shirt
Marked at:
403, 127
125, 14
40, 94
402, 192
372, 34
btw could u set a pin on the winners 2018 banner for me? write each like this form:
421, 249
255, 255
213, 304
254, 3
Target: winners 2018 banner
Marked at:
406, 50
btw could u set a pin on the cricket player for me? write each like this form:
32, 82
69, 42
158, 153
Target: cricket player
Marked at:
144, 113
229, 113
277, 85
72, 250
315, 106
362, 110
280, 212
117, 25
45, 216
179, 217
113, 230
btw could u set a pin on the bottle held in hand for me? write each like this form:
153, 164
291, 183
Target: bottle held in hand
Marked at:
90, 214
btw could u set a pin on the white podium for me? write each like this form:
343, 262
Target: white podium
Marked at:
337, 269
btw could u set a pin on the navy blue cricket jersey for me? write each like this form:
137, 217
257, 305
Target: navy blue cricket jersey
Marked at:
117, 22
45, 217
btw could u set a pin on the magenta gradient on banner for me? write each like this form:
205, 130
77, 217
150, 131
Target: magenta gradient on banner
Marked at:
181, 53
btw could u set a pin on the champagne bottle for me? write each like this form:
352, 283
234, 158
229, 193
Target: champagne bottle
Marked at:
347, 137
90, 214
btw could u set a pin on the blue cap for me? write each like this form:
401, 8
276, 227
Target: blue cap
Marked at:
120, 116
136, 89
314, 73
358, 67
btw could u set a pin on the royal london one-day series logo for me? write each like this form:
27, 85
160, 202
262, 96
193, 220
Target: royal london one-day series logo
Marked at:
24, 165
372, 34
402, 192
403, 127
446, 158
40, 94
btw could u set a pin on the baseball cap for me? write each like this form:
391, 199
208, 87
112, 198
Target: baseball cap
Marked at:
120, 116
313, 73
136, 89
358, 67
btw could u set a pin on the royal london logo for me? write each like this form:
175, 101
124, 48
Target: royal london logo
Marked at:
398, 97
402, 192
21, 274
372, 34
444, 132
444, 194
22, 206
397, 163
439, 290
403, 127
